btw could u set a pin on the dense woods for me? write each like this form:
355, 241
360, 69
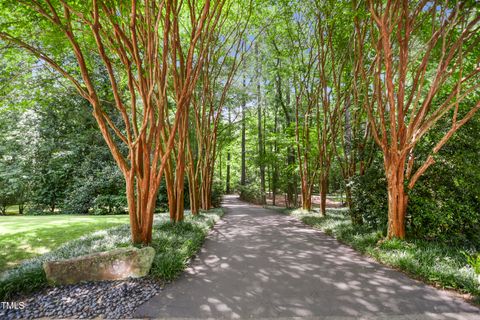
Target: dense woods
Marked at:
136, 106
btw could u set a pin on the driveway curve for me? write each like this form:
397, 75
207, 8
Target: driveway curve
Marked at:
257, 263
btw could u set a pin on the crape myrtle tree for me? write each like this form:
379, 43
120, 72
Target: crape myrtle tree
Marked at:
217, 76
419, 64
306, 93
319, 62
333, 37
355, 148
153, 52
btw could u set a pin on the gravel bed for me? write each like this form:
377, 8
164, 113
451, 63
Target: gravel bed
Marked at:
106, 299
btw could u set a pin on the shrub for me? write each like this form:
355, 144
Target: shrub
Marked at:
217, 193
251, 193
439, 210
109, 204
36, 210
369, 197
445, 203
474, 262
95, 190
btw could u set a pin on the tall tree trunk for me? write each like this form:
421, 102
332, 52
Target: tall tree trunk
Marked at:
260, 131
292, 181
141, 204
227, 187
220, 166
324, 175
348, 156
205, 189
292, 194
275, 152
177, 182
306, 195
192, 183
243, 176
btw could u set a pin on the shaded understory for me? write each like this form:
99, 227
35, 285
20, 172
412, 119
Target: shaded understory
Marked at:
174, 245
436, 263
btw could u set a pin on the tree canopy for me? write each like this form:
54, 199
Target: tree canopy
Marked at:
281, 100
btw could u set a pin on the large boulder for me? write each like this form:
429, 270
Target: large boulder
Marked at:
110, 265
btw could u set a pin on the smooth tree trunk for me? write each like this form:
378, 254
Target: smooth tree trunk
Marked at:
397, 197
227, 187
180, 171
275, 167
260, 131
291, 195
243, 175
176, 178
207, 181
193, 185
220, 172
323, 192
292, 181
141, 203
306, 196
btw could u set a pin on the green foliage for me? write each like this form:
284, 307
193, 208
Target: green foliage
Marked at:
15, 160
474, 262
98, 185
445, 203
217, 193
109, 204
250, 193
369, 197
174, 245
436, 263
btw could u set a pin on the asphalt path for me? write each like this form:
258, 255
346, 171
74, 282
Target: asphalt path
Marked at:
257, 263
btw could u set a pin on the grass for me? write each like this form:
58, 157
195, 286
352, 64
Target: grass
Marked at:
434, 263
12, 210
25, 237
174, 245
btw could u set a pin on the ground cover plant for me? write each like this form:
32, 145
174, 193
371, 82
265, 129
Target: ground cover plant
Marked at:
174, 243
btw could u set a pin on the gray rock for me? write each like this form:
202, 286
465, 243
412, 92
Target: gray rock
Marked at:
99, 302
110, 265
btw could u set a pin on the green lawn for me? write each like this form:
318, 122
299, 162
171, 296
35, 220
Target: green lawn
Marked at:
174, 245
24, 237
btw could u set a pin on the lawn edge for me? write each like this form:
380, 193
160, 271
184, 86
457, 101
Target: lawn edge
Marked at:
39, 287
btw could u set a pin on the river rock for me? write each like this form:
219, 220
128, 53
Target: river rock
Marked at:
110, 265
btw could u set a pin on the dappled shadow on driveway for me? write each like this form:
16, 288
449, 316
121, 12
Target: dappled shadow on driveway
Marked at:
258, 263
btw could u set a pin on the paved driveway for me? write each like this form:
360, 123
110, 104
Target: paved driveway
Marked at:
257, 263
